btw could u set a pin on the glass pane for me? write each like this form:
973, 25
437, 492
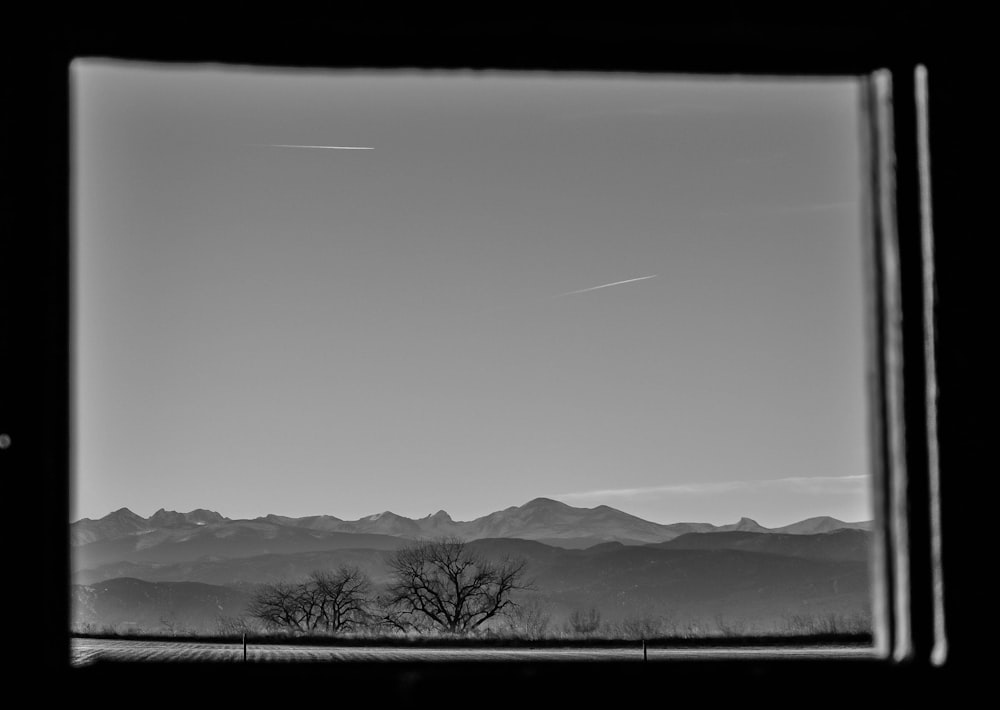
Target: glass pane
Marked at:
611, 327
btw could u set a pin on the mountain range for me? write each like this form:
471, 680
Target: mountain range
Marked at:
169, 536
189, 568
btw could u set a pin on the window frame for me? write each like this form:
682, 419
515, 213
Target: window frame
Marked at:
905, 378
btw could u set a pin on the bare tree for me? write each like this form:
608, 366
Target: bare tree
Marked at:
389, 616
528, 619
585, 623
326, 602
445, 585
276, 606
345, 598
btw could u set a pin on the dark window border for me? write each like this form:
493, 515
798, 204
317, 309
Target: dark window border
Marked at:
729, 40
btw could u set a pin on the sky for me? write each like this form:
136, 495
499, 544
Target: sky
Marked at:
412, 327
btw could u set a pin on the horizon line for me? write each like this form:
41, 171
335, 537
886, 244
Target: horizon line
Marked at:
417, 518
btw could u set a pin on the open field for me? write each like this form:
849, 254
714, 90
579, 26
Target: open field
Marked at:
86, 650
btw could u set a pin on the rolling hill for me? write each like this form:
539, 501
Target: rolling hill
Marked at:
842, 544
620, 581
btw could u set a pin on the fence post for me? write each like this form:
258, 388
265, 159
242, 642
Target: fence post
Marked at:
244, 646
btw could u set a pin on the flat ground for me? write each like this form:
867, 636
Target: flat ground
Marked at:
84, 651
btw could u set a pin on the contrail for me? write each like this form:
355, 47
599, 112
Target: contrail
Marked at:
616, 283
321, 147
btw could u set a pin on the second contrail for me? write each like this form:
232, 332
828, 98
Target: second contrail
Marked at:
321, 147
616, 283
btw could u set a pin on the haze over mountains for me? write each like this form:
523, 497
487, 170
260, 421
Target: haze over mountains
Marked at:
698, 584
192, 567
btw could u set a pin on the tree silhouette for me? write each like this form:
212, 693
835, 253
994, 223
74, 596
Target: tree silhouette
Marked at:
445, 585
330, 602
584, 623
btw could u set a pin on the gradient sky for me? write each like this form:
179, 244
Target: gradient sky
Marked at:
300, 331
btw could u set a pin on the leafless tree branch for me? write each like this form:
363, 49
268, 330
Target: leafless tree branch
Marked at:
445, 584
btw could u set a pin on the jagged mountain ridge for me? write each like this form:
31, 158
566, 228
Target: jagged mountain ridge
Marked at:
541, 519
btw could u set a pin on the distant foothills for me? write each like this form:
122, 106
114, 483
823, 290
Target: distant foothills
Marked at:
193, 569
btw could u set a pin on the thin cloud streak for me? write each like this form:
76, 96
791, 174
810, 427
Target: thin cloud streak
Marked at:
764, 209
616, 283
805, 484
319, 147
